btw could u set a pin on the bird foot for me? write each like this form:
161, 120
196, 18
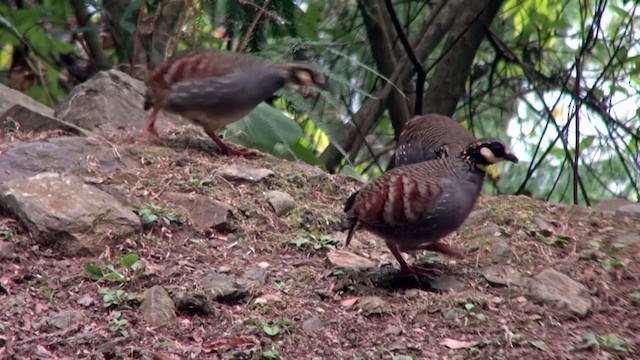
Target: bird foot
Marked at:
229, 151
423, 271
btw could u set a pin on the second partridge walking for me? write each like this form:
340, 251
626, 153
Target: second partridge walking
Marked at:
413, 206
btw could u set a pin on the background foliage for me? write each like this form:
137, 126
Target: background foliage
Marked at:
559, 79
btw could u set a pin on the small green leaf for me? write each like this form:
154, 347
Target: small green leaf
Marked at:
114, 276
402, 357
271, 330
129, 260
469, 306
93, 271
270, 355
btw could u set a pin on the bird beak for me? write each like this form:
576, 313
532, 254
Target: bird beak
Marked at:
511, 158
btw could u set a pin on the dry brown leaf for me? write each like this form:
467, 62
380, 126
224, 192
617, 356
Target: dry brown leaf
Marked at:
457, 344
349, 302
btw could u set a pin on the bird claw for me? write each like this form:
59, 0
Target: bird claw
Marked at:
239, 152
422, 271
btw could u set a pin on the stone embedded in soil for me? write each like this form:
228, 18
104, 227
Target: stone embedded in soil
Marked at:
61, 155
192, 303
557, 289
86, 300
74, 218
255, 276
312, 325
33, 120
627, 240
504, 275
446, 283
281, 202
543, 227
243, 173
10, 97
500, 251
492, 230
349, 260
393, 330
7, 250
203, 212
372, 305
157, 308
223, 288
65, 319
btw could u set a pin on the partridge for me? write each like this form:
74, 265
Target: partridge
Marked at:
430, 136
413, 206
214, 88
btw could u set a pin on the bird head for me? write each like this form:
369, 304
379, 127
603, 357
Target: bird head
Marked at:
488, 151
301, 74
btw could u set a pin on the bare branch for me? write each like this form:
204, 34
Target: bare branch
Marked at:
90, 35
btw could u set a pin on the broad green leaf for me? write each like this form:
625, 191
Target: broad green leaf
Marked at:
129, 259
93, 271
114, 276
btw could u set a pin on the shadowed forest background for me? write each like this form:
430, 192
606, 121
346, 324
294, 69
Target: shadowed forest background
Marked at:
558, 79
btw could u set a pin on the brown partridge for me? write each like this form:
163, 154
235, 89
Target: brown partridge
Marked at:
214, 88
429, 137
413, 206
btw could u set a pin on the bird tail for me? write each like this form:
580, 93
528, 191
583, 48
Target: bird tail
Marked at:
303, 74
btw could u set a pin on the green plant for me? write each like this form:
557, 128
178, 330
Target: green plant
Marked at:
6, 234
153, 212
195, 182
114, 298
118, 323
132, 266
315, 242
469, 311
635, 297
609, 342
270, 355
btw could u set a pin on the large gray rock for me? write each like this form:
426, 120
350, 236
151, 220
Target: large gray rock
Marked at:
32, 120
61, 155
10, 97
110, 98
557, 289
70, 216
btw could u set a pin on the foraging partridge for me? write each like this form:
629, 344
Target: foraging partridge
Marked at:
214, 88
413, 206
429, 137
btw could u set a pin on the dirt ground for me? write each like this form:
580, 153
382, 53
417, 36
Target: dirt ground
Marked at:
306, 307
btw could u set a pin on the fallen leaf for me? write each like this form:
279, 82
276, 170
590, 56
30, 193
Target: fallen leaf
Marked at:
349, 302
233, 342
457, 344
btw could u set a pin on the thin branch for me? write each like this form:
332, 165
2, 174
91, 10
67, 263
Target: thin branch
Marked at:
420, 73
253, 25
90, 35
576, 159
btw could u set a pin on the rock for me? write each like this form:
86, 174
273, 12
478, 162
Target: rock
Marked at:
73, 217
86, 300
10, 97
65, 319
504, 275
370, 305
544, 228
393, 330
349, 260
157, 307
622, 205
203, 212
243, 173
446, 283
32, 120
281, 202
312, 325
108, 99
268, 298
492, 230
622, 241
566, 294
500, 251
193, 304
255, 275
7, 250
223, 287
313, 173
62, 155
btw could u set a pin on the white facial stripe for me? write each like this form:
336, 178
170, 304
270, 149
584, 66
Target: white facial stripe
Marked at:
489, 155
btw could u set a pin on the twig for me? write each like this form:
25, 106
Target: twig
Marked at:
180, 33
48, 335
136, 37
252, 27
271, 14
420, 73
576, 159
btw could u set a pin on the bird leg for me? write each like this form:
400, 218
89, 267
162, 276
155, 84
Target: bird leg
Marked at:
226, 149
412, 270
150, 129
